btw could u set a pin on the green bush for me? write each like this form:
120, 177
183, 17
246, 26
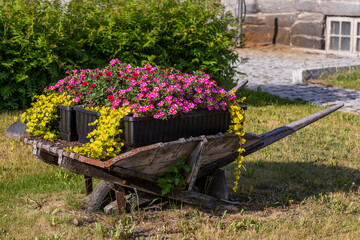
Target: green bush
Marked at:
40, 40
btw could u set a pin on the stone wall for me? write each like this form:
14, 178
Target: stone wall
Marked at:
291, 22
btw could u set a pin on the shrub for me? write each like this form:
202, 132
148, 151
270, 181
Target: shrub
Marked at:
40, 40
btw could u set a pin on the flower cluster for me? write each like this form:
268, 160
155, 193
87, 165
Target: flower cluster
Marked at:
41, 117
105, 140
148, 90
237, 127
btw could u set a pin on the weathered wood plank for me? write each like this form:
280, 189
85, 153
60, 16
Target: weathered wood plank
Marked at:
167, 155
131, 173
142, 185
143, 158
46, 157
240, 86
156, 170
120, 199
209, 158
194, 161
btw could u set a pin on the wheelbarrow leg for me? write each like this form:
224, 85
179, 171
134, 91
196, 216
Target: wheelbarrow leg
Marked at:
88, 185
214, 184
218, 186
120, 198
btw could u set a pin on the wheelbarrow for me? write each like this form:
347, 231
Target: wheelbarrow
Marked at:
140, 168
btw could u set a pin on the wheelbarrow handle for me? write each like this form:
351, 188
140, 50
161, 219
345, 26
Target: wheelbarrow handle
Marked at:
239, 86
281, 132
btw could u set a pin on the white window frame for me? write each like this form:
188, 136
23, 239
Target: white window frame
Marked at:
356, 34
353, 34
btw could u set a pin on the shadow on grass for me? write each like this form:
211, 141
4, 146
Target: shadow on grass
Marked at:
259, 98
279, 183
316, 94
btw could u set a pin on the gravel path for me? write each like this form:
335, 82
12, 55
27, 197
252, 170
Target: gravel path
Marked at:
272, 67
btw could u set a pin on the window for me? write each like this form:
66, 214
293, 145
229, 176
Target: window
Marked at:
343, 34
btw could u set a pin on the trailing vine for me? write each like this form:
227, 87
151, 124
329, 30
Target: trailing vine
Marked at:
105, 140
237, 118
41, 117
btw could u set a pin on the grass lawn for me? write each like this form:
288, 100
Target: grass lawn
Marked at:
349, 79
305, 186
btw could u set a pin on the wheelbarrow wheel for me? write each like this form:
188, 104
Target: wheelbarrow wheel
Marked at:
102, 195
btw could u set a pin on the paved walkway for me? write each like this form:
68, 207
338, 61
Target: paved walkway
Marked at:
271, 68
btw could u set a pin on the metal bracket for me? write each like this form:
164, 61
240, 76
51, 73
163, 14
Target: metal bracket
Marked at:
60, 157
35, 149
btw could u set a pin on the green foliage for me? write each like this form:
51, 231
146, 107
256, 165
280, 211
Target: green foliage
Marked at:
40, 40
174, 176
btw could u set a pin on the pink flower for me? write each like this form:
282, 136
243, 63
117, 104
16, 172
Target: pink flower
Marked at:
173, 111
159, 114
160, 104
185, 109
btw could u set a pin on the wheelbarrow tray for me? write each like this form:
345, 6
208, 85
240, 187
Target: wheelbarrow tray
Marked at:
141, 167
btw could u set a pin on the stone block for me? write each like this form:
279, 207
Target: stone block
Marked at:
281, 20
255, 19
338, 8
283, 37
266, 34
251, 6
305, 42
258, 34
271, 6
311, 17
308, 28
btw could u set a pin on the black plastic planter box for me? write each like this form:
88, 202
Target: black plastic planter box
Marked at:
67, 123
141, 131
83, 118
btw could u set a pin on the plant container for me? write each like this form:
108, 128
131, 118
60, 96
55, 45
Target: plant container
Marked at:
67, 123
141, 131
83, 118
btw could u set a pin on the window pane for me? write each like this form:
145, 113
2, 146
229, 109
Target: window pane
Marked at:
358, 29
345, 44
335, 26
358, 44
345, 28
334, 43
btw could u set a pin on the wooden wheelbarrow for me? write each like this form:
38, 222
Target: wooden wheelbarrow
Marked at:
140, 168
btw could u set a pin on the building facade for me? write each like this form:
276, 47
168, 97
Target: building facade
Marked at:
333, 25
